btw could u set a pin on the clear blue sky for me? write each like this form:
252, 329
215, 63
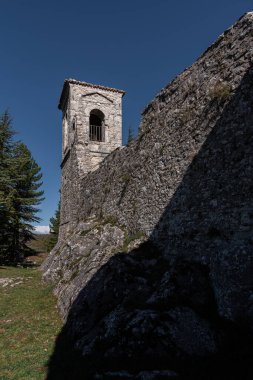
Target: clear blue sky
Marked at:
134, 45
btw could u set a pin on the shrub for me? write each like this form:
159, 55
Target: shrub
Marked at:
221, 91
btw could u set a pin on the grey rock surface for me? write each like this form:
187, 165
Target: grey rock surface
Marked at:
153, 271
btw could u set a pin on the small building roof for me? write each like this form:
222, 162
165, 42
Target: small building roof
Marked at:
67, 82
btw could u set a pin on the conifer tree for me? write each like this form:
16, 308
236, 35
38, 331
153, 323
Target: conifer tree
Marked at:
19, 195
54, 229
130, 135
6, 178
24, 199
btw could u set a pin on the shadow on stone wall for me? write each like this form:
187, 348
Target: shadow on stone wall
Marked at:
181, 304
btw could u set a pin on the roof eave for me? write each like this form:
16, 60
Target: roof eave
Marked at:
67, 82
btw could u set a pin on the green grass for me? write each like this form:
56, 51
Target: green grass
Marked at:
29, 324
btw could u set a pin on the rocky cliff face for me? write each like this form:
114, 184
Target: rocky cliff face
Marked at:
154, 273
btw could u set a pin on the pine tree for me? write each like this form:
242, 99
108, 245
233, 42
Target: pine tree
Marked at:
19, 183
130, 135
6, 178
54, 229
6, 146
24, 199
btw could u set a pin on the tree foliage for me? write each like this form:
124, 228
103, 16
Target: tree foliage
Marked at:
6, 179
54, 229
130, 135
20, 179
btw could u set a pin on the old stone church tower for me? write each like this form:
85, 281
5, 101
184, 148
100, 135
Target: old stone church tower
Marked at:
91, 129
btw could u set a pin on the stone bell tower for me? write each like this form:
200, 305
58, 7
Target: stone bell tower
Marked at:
91, 129
92, 119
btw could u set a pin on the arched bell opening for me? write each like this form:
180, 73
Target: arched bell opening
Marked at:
97, 126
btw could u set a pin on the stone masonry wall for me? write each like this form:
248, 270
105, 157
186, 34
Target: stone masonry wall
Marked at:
178, 204
199, 126
80, 154
135, 184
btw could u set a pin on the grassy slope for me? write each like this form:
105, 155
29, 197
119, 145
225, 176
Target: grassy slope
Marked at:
29, 323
